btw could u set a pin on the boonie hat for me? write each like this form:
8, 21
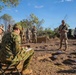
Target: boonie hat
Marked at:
18, 26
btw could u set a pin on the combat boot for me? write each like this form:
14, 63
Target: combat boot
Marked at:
66, 47
26, 72
60, 48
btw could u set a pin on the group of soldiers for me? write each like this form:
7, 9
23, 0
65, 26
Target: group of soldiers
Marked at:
31, 35
11, 46
28, 35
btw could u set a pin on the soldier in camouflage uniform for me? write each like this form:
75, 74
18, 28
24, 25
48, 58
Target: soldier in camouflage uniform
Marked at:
28, 35
12, 50
75, 33
34, 34
9, 28
63, 29
1, 33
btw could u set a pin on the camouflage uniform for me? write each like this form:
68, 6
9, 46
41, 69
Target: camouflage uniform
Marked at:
28, 35
9, 28
75, 33
34, 34
12, 49
63, 29
1, 33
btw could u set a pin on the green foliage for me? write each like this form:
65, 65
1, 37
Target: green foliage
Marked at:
34, 19
8, 3
40, 31
7, 19
50, 32
39, 25
1, 7
31, 21
56, 32
23, 23
47, 32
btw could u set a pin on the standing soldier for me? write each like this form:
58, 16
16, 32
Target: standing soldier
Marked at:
9, 28
34, 34
1, 33
63, 29
75, 33
28, 35
22, 34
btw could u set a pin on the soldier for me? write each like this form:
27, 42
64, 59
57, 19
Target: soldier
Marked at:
34, 34
75, 33
1, 33
23, 38
9, 28
63, 29
28, 35
11, 48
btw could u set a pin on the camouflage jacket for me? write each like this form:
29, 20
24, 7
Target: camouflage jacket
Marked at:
34, 30
11, 44
63, 29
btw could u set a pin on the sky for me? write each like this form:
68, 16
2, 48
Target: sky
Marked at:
52, 11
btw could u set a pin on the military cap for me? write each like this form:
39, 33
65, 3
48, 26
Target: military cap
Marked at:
18, 26
63, 20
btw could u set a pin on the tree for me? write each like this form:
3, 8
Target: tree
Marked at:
39, 25
31, 21
34, 19
7, 19
8, 3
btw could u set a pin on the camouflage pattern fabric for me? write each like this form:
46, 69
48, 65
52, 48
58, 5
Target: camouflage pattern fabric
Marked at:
22, 55
11, 49
63, 29
28, 35
34, 35
0, 38
75, 32
1, 35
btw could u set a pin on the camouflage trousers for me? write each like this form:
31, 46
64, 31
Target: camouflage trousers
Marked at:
28, 38
65, 38
23, 55
34, 38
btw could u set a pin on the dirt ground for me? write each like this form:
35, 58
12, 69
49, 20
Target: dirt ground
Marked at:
48, 60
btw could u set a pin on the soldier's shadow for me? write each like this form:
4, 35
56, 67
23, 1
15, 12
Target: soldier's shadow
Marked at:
69, 62
10, 71
73, 71
16, 73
